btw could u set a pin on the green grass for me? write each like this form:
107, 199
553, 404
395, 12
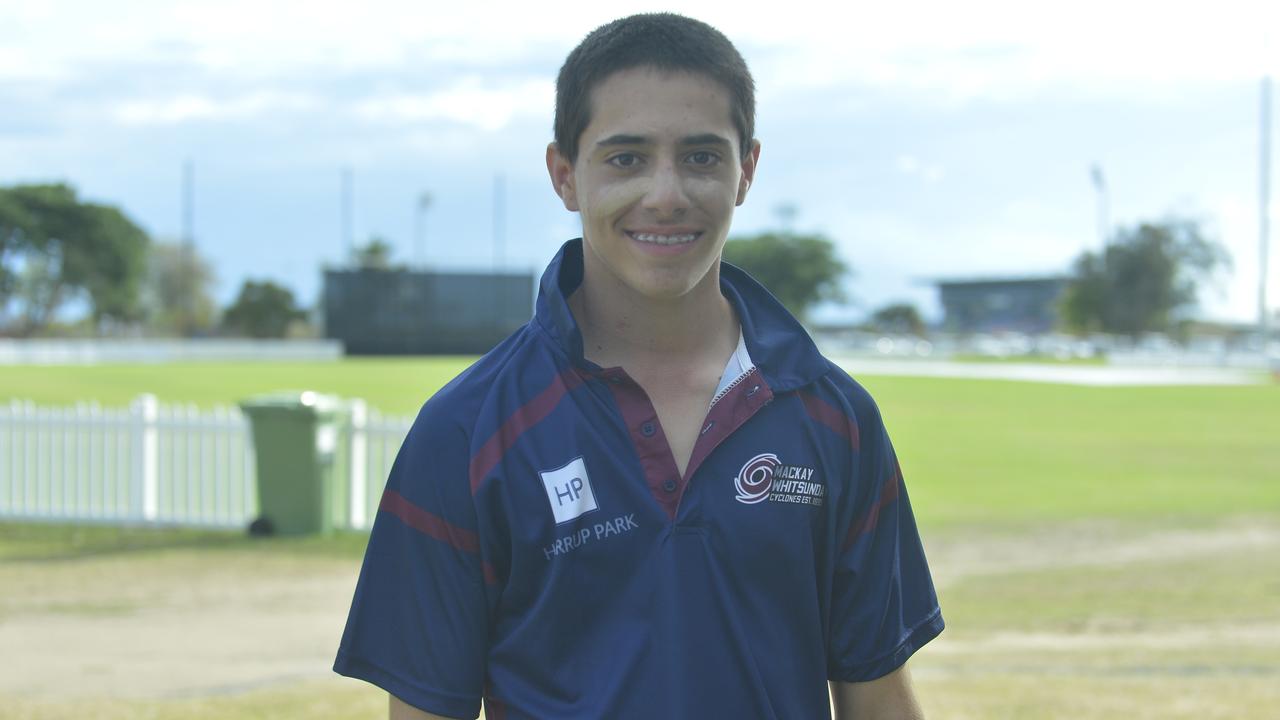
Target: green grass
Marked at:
1041, 472
45, 542
973, 451
1156, 595
981, 451
393, 385
1034, 694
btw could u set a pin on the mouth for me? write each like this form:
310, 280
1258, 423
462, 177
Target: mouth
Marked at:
664, 239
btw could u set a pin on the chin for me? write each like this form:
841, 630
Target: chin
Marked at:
668, 287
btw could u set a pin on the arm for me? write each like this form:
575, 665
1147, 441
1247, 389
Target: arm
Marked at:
418, 621
890, 697
401, 710
884, 606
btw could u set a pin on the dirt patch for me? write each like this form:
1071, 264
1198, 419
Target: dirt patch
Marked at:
1090, 544
190, 623
181, 624
1255, 635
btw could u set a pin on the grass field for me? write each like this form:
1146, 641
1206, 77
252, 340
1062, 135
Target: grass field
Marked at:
974, 451
1099, 553
391, 385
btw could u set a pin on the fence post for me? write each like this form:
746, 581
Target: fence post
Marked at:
146, 460
358, 478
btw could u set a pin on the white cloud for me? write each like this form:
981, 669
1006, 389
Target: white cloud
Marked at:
951, 51
1003, 50
469, 102
187, 107
911, 166
242, 60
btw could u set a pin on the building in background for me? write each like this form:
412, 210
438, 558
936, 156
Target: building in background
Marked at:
992, 305
408, 312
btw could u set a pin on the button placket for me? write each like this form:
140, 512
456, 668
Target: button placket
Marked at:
642, 425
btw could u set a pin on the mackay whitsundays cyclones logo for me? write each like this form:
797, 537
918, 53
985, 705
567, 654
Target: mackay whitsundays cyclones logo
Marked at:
764, 477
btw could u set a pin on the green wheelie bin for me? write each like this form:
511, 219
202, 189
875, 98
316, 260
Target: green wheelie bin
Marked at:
296, 437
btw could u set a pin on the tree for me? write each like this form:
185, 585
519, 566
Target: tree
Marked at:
902, 318
1142, 280
800, 270
374, 255
55, 248
178, 296
261, 310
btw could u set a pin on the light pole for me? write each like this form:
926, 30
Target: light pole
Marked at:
1100, 185
345, 202
499, 220
188, 247
786, 213
420, 228
1264, 201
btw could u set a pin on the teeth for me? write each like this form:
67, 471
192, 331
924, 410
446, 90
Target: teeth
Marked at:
664, 239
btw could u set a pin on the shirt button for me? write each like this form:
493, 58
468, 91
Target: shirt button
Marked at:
669, 486
647, 429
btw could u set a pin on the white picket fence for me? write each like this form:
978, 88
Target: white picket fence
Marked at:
167, 465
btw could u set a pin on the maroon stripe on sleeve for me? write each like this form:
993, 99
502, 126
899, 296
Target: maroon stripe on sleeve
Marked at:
831, 416
428, 523
868, 520
529, 414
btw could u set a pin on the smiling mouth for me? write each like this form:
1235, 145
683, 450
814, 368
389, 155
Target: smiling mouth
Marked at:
656, 239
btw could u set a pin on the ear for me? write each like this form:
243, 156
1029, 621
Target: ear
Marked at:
748, 171
561, 172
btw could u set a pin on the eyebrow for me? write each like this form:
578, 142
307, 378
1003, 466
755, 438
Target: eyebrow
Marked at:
623, 140
706, 139
702, 139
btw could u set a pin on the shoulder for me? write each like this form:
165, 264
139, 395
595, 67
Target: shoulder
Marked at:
436, 464
838, 391
472, 406
456, 410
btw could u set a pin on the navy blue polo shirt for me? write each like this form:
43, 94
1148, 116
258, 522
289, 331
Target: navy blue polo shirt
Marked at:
537, 548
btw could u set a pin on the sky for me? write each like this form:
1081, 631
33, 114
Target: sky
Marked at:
926, 139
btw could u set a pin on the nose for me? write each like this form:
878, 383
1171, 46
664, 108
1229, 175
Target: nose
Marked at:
667, 195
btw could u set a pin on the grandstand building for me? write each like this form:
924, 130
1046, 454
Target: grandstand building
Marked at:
992, 305
375, 311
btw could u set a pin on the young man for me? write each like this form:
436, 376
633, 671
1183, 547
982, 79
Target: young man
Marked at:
657, 499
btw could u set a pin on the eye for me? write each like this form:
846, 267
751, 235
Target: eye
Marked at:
624, 160
704, 158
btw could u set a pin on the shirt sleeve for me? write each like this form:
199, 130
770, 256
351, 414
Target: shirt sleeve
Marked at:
884, 606
418, 622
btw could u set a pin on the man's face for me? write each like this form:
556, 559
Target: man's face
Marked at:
657, 178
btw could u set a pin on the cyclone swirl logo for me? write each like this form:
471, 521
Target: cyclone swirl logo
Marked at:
756, 478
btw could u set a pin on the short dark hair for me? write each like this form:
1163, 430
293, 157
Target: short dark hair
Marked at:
663, 41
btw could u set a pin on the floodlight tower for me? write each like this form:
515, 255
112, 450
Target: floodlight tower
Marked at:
348, 240
187, 272
787, 213
1264, 202
420, 229
1100, 185
188, 202
499, 220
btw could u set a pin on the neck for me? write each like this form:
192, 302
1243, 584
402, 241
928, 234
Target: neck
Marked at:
621, 328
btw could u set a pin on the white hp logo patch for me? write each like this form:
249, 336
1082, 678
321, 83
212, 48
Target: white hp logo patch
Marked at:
569, 491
